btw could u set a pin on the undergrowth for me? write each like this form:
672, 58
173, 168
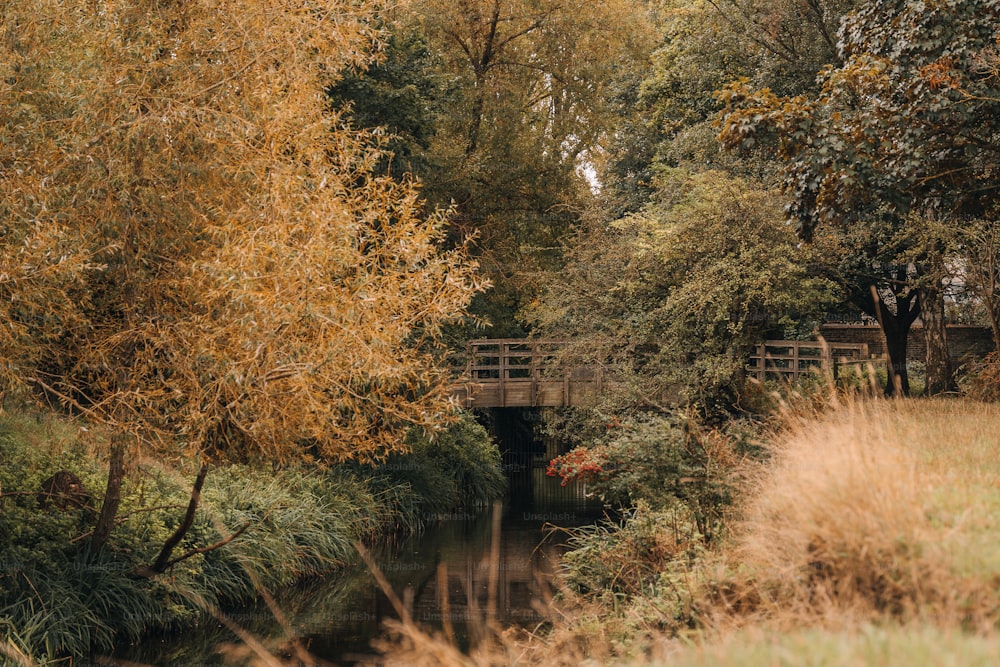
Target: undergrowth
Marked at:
59, 600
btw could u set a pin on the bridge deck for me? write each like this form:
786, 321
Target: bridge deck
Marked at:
513, 372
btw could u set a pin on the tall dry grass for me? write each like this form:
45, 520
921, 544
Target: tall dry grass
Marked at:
874, 509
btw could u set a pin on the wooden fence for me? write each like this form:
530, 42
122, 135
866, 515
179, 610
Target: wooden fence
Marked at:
518, 372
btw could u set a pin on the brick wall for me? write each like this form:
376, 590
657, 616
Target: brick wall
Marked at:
963, 340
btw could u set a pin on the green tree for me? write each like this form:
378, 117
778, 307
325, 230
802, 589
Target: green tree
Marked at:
903, 130
237, 283
671, 298
668, 111
525, 111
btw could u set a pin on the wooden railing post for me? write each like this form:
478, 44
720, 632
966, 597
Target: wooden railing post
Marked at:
533, 364
503, 351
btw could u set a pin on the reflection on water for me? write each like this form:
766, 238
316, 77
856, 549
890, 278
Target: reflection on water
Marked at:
337, 618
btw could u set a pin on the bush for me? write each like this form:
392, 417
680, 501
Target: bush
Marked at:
661, 460
982, 382
460, 468
637, 556
882, 509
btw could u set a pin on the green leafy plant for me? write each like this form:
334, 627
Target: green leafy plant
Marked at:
661, 460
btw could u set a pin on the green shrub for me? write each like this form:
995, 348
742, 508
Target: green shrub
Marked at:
460, 468
638, 556
661, 460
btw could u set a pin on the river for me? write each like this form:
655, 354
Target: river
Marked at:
337, 618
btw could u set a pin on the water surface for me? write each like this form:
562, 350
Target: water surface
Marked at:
443, 574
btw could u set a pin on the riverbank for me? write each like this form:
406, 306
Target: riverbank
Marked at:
59, 600
868, 537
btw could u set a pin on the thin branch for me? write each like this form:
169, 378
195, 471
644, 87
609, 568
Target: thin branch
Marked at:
540, 68
750, 33
212, 547
63, 397
161, 561
933, 177
821, 24
538, 23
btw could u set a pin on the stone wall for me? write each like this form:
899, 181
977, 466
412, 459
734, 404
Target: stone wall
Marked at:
963, 340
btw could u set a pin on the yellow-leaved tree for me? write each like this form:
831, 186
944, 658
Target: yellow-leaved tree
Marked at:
194, 250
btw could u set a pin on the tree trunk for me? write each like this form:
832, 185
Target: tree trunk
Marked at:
940, 377
112, 494
481, 66
160, 565
896, 329
896, 333
994, 310
475, 121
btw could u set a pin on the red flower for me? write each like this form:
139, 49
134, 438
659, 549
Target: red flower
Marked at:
579, 464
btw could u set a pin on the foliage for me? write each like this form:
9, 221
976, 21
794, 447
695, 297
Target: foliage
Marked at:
663, 462
403, 94
459, 467
902, 131
667, 109
299, 523
238, 276
638, 557
584, 464
977, 245
898, 492
982, 381
671, 299
791, 41
908, 119
523, 110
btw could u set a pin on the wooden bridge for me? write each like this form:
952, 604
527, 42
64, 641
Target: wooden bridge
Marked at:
519, 372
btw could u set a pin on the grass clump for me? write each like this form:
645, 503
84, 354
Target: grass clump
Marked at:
871, 509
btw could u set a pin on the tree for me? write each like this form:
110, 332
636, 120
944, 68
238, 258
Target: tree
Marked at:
245, 287
525, 112
978, 246
874, 266
671, 298
906, 125
668, 114
791, 40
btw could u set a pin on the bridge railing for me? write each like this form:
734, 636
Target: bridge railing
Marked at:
790, 359
518, 372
